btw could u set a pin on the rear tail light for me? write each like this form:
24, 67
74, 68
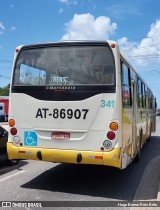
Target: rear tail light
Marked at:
11, 122
13, 131
111, 135
113, 126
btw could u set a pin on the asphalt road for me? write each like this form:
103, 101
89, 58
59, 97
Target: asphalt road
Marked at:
41, 181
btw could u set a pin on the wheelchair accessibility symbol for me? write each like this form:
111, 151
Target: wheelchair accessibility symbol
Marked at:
30, 138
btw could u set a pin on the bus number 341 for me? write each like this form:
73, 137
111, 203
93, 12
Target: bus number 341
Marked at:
62, 113
109, 103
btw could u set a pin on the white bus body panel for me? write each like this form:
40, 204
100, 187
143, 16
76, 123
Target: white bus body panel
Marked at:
85, 134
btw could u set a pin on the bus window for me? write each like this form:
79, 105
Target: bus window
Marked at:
144, 96
31, 75
139, 91
126, 87
74, 65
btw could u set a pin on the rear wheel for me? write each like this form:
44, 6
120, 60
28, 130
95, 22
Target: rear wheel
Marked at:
150, 132
137, 158
13, 162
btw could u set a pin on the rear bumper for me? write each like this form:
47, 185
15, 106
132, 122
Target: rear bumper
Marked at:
112, 158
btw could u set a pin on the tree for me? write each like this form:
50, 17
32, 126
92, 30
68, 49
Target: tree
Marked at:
5, 91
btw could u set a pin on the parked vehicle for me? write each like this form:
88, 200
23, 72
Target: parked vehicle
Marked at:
3, 144
4, 104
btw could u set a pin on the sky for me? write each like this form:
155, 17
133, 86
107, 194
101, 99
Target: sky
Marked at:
135, 25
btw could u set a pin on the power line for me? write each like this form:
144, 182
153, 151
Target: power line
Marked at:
134, 58
5, 61
147, 55
4, 76
141, 38
154, 70
140, 48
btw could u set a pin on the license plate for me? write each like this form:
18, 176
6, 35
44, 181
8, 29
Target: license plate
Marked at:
60, 136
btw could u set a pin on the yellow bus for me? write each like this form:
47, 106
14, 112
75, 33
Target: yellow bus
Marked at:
78, 102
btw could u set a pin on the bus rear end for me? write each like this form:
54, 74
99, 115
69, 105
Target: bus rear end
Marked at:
65, 104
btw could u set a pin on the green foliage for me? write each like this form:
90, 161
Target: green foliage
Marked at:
5, 91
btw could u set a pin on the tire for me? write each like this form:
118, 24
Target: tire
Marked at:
13, 162
150, 132
137, 158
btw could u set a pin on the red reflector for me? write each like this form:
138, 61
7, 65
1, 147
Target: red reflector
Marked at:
13, 131
111, 135
113, 45
21, 151
98, 157
17, 50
